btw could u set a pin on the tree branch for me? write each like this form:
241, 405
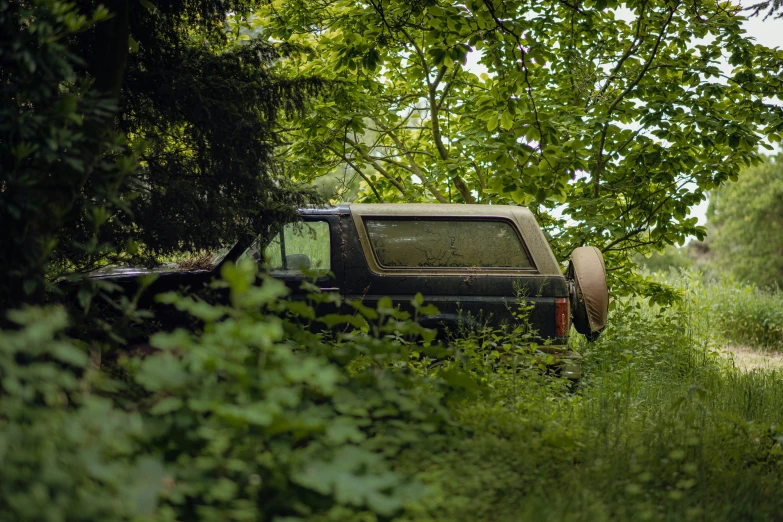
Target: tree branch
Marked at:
628, 52
414, 167
365, 178
374, 163
600, 158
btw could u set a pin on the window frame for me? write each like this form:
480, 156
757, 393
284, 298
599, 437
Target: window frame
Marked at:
327, 276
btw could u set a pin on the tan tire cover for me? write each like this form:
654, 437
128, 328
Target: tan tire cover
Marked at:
592, 295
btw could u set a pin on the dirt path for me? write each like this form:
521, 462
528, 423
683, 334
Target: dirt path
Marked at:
749, 359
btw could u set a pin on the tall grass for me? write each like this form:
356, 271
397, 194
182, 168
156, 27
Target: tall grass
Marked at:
747, 315
662, 428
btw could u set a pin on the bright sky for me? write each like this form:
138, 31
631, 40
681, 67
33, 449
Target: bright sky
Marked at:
767, 32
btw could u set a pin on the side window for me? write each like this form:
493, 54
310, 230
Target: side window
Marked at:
420, 243
300, 248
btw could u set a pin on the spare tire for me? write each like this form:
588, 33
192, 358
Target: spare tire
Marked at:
590, 298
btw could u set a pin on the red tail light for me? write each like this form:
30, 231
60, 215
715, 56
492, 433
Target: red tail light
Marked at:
562, 317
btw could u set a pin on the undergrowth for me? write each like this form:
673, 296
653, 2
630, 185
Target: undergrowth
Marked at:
661, 428
256, 417
747, 315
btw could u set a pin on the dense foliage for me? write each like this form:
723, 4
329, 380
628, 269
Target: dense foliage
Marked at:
748, 316
61, 165
661, 429
206, 115
258, 418
134, 132
66, 452
746, 220
204, 109
609, 119
251, 417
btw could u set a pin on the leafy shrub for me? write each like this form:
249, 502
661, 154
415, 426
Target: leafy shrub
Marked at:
251, 418
258, 418
65, 452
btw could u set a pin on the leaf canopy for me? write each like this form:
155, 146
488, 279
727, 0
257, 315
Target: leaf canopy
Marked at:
610, 120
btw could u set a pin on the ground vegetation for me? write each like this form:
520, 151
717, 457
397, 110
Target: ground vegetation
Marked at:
251, 417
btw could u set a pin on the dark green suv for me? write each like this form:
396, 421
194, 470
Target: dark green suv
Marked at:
473, 262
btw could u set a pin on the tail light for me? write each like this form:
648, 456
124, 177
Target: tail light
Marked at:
562, 317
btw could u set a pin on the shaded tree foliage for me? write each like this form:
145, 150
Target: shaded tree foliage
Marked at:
196, 108
55, 145
201, 109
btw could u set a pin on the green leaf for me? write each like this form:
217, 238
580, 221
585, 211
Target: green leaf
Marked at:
145, 485
492, 122
506, 121
385, 306
70, 354
166, 405
162, 372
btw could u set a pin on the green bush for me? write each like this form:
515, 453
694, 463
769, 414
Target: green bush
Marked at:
258, 418
253, 417
66, 453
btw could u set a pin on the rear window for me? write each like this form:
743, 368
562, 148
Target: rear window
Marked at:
446, 243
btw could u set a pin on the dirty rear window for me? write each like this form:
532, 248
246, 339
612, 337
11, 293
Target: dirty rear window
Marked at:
446, 243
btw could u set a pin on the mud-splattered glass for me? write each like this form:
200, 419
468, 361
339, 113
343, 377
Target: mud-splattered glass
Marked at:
433, 243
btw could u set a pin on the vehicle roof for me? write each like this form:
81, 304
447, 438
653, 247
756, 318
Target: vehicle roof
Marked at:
440, 209
534, 238
423, 209
341, 208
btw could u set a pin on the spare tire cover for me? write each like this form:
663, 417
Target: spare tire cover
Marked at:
592, 295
